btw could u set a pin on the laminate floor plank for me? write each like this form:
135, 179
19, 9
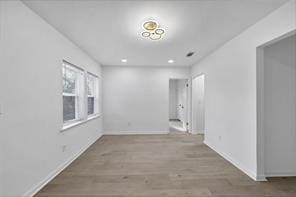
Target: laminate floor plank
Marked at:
174, 165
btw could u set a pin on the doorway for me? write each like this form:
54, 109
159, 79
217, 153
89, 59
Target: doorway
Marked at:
277, 107
198, 104
178, 105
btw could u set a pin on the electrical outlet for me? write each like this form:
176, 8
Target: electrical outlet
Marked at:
129, 124
220, 137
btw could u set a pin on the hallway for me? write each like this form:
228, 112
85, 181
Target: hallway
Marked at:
158, 166
176, 126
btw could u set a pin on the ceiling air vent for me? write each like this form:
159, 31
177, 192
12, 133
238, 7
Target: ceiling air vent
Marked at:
190, 54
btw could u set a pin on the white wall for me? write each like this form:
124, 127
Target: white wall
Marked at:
136, 100
230, 97
1, 159
280, 108
31, 99
173, 99
198, 104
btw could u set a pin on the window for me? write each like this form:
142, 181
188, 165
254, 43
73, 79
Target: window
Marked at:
92, 94
73, 83
80, 95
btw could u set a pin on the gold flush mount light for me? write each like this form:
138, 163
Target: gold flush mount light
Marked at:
152, 30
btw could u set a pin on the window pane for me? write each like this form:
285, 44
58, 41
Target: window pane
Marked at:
90, 104
68, 108
69, 78
90, 85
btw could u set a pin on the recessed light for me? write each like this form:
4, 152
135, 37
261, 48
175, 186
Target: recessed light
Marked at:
171, 61
124, 60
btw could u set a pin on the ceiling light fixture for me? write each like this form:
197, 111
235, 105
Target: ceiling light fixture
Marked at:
124, 60
152, 30
171, 61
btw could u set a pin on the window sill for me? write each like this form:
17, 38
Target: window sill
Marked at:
94, 116
74, 124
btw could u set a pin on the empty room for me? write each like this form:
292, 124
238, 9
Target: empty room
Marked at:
148, 98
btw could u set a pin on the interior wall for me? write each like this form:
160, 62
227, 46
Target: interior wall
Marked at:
136, 99
173, 99
1, 160
230, 97
31, 100
280, 108
198, 108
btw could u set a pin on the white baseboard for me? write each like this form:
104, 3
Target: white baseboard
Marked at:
280, 174
135, 132
261, 178
197, 132
58, 170
236, 163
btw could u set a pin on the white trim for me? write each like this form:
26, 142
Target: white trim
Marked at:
280, 174
90, 73
95, 93
261, 178
92, 116
70, 124
191, 103
236, 163
81, 93
197, 132
79, 90
136, 132
260, 106
31, 192
79, 122
72, 66
277, 39
260, 110
69, 94
198, 75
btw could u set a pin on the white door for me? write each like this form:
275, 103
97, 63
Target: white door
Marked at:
198, 108
182, 101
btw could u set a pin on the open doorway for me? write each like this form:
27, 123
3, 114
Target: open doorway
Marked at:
198, 105
277, 107
178, 105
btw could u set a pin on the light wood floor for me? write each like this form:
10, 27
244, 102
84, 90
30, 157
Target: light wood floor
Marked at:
175, 165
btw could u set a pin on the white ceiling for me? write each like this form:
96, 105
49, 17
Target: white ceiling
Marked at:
111, 30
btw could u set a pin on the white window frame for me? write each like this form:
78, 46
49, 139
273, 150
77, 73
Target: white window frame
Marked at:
95, 95
81, 107
79, 93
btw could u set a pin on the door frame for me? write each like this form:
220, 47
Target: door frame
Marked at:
188, 101
191, 99
260, 130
